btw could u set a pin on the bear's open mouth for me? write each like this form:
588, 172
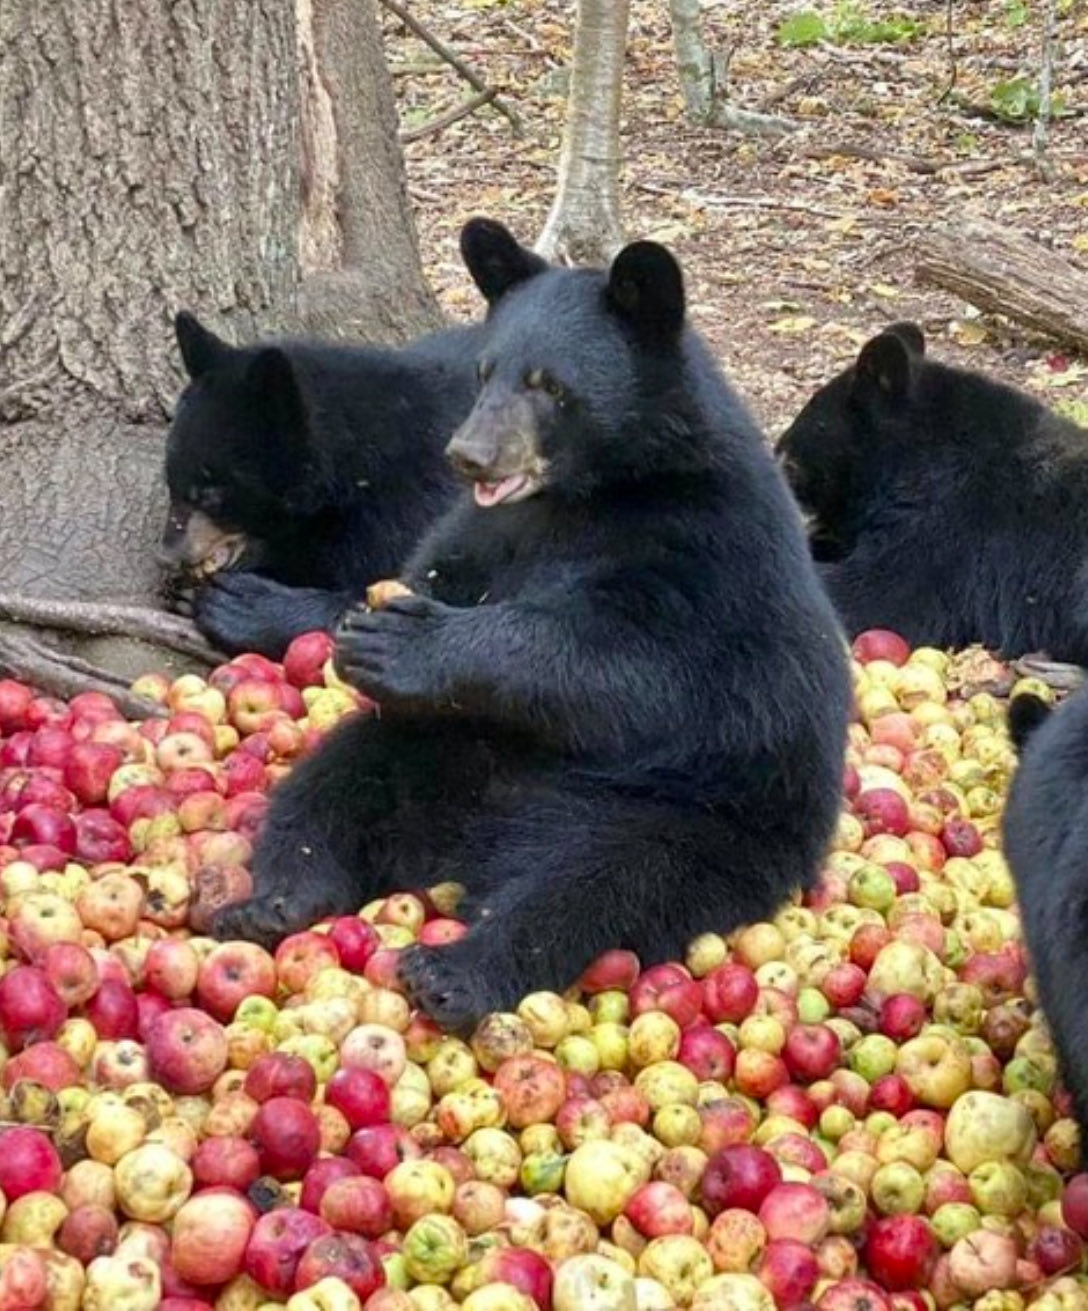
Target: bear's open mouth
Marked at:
514, 488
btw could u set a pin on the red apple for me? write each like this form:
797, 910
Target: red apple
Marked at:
521, 1268
28, 1163
730, 993
88, 1231
739, 1175
789, 1270
226, 1161
31, 1010
280, 1074
1056, 1250
320, 1176
15, 698
113, 1011
360, 1095
660, 1208
286, 1134
355, 941
172, 968
880, 644
254, 704
304, 660
902, 1016
792, 1210
301, 956
347, 1257
707, 1053
901, 1251
882, 810
49, 745
377, 1149
89, 768
276, 1246
357, 1204
43, 824
187, 1050
100, 838
891, 1093
855, 1295
614, 969
1075, 1204
230, 973
812, 1052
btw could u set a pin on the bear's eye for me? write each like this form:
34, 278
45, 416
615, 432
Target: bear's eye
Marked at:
484, 370
538, 380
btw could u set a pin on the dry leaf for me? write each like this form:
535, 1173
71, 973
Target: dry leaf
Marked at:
793, 324
968, 334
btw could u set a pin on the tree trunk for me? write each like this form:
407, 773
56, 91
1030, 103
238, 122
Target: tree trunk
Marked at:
1005, 273
152, 161
359, 246
703, 78
584, 223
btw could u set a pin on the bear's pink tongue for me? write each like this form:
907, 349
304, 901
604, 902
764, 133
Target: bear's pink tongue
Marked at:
488, 494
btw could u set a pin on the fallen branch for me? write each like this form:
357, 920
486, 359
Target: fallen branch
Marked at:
65, 676
678, 192
107, 619
1005, 273
451, 116
454, 60
913, 163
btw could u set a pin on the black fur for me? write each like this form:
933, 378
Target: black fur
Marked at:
944, 505
1046, 844
328, 458
616, 709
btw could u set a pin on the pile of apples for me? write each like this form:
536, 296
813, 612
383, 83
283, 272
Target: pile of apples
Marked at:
854, 1107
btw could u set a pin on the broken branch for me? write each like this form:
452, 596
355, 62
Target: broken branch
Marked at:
105, 618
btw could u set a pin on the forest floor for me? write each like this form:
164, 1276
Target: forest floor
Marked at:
795, 250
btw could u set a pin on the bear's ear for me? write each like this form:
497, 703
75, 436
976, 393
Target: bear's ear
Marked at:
911, 335
495, 259
201, 350
888, 362
271, 377
646, 287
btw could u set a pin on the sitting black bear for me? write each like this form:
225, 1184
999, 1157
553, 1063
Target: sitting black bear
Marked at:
301, 471
944, 505
615, 709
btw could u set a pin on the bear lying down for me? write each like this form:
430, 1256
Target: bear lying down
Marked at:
615, 707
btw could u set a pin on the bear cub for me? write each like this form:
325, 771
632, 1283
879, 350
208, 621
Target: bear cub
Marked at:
301, 471
1045, 829
944, 505
615, 707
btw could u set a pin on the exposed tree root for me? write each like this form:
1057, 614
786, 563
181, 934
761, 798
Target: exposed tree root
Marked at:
63, 675
106, 618
1061, 677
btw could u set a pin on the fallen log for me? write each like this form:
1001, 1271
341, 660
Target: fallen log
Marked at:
1005, 273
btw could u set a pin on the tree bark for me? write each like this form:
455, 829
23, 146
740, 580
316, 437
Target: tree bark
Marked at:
584, 224
703, 82
148, 164
1005, 273
359, 247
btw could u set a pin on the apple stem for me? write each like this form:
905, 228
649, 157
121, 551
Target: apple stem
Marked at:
65, 675
112, 618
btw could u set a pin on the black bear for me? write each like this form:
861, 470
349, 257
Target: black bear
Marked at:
300, 471
615, 709
944, 505
1046, 844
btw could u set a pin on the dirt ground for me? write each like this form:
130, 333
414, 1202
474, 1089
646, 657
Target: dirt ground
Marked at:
793, 254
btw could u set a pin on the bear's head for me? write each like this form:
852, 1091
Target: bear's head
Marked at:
845, 431
567, 359
237, 454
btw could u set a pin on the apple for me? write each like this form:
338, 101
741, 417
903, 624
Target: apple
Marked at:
209, 1236
31, 1010
100, 838
231, 972
28, 1163
88, 1231
15, 699
811, 1052
357, 1204
789, 1269
901, 1251
707, 1053
254, 704
360, 1095
304, 659
739, 1175
40, 824
346, 1257
113, 1010
281, 1074
379, 1149
187, 1050
794, 1210
854, 1295
902, 1016
615, 969
285, 1133
660, 1208
880, 644
40, 919
226, 1161
44, 1063
276, 1245
301, 957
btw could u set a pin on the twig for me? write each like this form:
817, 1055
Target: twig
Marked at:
914, 163
953, 67
803, 82
105, 618
1046, 77
454, 60
62, 675
451, 116
740, 202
